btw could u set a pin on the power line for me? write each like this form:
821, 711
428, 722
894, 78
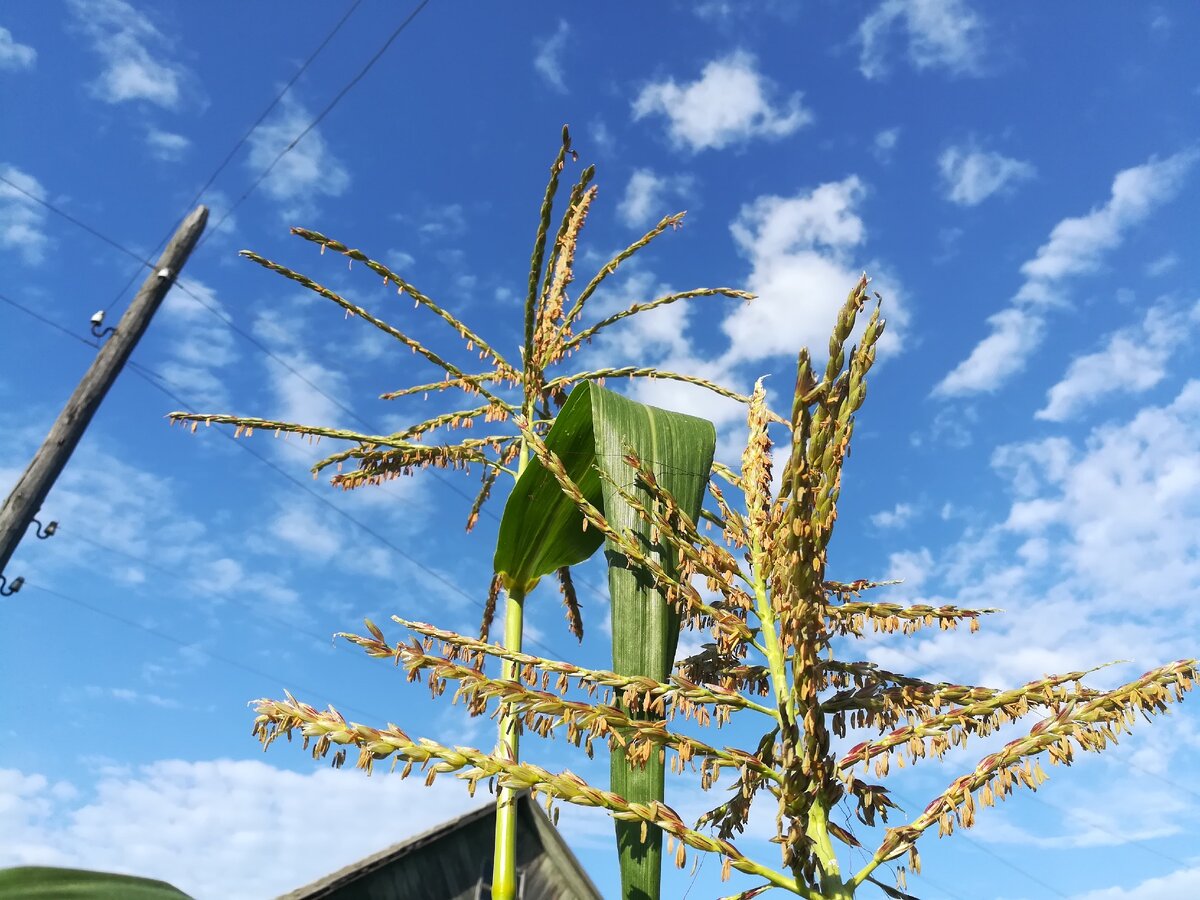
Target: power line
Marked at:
229, 323
179, 642
241, 142
174, 574
163, 385
337, 98
395, 548
247, 336
78, 223
30, 312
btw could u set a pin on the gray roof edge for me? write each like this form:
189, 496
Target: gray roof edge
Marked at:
324, 885
558, 848
552, 839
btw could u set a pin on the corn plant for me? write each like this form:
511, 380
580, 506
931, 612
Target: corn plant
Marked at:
780, 633
519, 400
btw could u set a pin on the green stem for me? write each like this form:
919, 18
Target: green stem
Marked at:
832, 885
504, 866
770, 643
504, 870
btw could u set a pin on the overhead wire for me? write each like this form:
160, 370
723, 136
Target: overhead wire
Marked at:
164, 386
180, 642
337, 98
241, 142
160, 383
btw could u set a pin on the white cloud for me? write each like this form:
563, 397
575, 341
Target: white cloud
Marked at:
116, 501
300, 529
123, 37
802, 251
911, 568
729, 104
548, 60
130, 696
970, 175
900, 515
307, 170
885, 143
1124, 811
1183, 882
646, 193
659, 332
1162, 265
14, 56
22, 221
166, 145
1015, 334
600, 135
447, 220
1129, 501
1138, 354
207, 826
294, 400
942, 34
1088, 520
202, 345
1075, 247
399, 260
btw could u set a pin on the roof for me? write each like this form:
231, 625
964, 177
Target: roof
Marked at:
446, 862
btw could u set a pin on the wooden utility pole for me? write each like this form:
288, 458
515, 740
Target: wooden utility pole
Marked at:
31, 490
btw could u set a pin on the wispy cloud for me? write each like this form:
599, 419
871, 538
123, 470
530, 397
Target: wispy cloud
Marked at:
646, 193
305, 172
15, 56
201, 345
206, 826
22, 221
940, 34
292, 398
884, 144
1087, 518
896, 517
730, 103
166, 145
548, 61
1139, 354
130, 696
123, 37
1183, 882
1162, 265
970, 175
1076, 246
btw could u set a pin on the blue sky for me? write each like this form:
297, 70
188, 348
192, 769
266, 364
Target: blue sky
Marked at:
1021, 187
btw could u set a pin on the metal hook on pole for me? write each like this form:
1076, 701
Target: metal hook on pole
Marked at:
97, 321
46, 531
6, 590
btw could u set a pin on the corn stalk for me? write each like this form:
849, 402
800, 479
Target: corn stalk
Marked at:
521, 395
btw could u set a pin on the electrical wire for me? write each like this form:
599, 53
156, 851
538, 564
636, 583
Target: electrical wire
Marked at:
241, 142
161, 384
180, 642
337, 98
229, 323
153, 378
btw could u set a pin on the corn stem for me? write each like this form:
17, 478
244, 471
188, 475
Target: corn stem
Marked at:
504, 869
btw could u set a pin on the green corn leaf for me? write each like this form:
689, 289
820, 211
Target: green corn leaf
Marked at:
28, 882
542, 530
